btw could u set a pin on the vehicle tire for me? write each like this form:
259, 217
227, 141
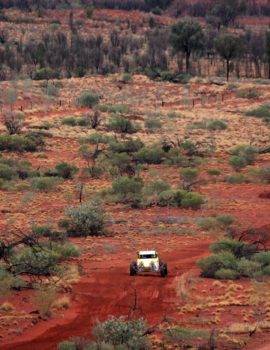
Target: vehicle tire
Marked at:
163, 270
133, 269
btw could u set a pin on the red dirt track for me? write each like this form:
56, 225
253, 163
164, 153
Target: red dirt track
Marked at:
105, 291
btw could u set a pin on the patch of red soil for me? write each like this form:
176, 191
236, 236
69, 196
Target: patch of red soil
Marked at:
265, 194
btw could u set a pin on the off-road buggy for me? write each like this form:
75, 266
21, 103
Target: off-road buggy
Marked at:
148, 261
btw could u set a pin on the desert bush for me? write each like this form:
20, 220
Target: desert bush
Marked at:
189, 175
242, 156
129, 146
263, 174
70, 121
248, 153
227, 274
150, 155
122, 125
7, 172
238, 248
192, 201
152, 124
213, 172
46, 73
44, 184
238, 162
262, 112
211, 264
88, 219
126, 78
120, 161
67, 345
52, 90
155, 187
248, 93
14, 122
127, 189
33, 262
121, 109
65, 170
44, 300
262, 257
235, 178
123, 333
88, 99
17, 143
217, 125
249, 268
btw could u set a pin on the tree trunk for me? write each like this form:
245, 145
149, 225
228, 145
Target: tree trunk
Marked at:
187, 62
228, 69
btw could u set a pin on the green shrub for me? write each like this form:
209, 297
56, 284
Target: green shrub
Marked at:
192, 201
225, 220
35, 262
95, 139
120, 161
65, 170
88, 99
45, 73
174, 157
121, 109
217, 125
262, 257
263, 174
242, 156
70, 121
262, 112
248, 93
127, 189
122, 125
213, 172
155, 187
17, 143
44, 184
123, 334
67, 345
152, 124
88, 219
211, 264
189, 174
126, 78
150, 155
207, 223
129, 146
227, 274
238, 162
238, 248
44, 230
235, 178
7, 173
249, 268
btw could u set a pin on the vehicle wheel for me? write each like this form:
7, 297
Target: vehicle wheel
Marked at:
133, 269
163, 270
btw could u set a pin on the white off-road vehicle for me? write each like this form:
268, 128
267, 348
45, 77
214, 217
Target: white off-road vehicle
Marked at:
148, 261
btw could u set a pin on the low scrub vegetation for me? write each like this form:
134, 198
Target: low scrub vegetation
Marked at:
234, 259
262, 112
115, 333
88, 219
122, 125
242, 156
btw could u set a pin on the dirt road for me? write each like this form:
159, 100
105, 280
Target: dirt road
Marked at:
105, 291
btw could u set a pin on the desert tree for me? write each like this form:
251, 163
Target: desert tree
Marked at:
187, 37
228, 47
